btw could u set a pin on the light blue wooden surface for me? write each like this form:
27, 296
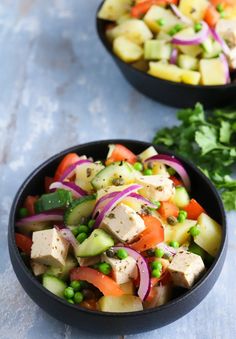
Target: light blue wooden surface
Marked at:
58, 88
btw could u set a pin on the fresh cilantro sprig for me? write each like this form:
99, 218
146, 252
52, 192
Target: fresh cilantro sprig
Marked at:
209, 140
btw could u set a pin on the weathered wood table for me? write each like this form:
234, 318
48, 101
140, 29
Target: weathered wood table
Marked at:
58, 88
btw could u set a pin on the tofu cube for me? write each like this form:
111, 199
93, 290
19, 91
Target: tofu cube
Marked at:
156, 187
37, 268
49, 248
227, 30
89, 261
186, 268
123, 270
124, 223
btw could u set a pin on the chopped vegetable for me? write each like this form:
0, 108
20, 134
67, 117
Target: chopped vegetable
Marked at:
23, 242
67, 161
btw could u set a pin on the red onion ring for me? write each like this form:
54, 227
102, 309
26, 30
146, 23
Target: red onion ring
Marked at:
76, 191
68, 235
145, 282
180, 15
175, 164
196, 40
113, 202
69, 172
217, 37
174, 56
45, 216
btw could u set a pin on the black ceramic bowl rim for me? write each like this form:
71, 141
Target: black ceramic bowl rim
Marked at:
170, 304
108, 47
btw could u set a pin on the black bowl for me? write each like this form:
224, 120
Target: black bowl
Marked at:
115, 323
168, 92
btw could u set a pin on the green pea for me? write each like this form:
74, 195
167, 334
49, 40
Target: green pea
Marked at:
147, 171
157, 203
182, 216
78, 297
122, 253
178, 28
222, 15
75, 230
69, 293
81, 237
138, 166
104, 268
76, 285
159, 252
194, 231
172, 31
71, 301
156, 265
91, 223
83, 229
23, 212
171, 171
198, 27
174, 244
220, 8
161, 22
156, 273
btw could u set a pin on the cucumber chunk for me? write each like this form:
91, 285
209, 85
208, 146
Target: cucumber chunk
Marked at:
157, 50
85, 173
215, 51
54, 285
98, 242
60, 198
124, 303
79, 209
121, 171
63, 272
188, 62
181, 197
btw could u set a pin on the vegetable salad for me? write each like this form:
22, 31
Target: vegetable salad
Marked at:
189, 41
117, 235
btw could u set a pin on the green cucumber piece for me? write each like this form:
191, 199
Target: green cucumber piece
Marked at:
98, 242
63, 272
215, 52
181, 197
78, 210
207, 45
157, 50
60, 198
188, 62
54, 285
120, 170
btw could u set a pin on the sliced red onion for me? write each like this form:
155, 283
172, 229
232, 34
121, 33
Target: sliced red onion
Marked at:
102, 200
217, 37
226, 67
68, 235
114, 201
145, 282
142, 199
76, 191
175, 164
168, 250
70, 171
180, 15
174, 56
45, 216
197, 39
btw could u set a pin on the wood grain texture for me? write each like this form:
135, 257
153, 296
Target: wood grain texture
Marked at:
58, 88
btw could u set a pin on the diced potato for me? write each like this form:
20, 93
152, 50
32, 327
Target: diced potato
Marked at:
113, 9
212, 72
179, 232
161, 295
128, 288
124, 303
83, 179
210, 234
123, 18
147, 153
134, 30
127, 50
155, 13
191, 77
194, 9
165, 71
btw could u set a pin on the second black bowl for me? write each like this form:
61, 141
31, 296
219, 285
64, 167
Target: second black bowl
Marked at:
169, 92
116, 323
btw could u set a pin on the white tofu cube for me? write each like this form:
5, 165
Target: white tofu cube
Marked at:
89, 261
123, 270
37, 268
156, 187
186, 268
227, 30
124, 223
49, 248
